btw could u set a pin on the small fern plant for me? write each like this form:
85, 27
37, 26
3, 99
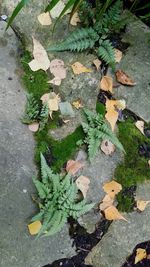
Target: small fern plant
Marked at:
96, 130
32, 110
59, 200
96, 37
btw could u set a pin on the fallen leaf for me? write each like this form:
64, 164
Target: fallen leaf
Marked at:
57, 68
34, 227
118, 55
53, 103
106, 83
78, 68
112, 188
111, 213
75, 19
82, 183
41, 60
141, 204
97, 63
33, 127
66, 121
107, 147
140, 255
55, 81
123, 78
140, 126
74, 166
77, 104
45, 19
106, 202
45, 98
149, 163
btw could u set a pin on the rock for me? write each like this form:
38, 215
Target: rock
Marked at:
66, 109
121, 238
17, 247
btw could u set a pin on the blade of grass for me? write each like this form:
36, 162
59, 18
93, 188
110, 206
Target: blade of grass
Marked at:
52, 4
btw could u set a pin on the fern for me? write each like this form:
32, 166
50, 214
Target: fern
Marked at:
32, 110
59, 200
44, 116
96, 130
106, 52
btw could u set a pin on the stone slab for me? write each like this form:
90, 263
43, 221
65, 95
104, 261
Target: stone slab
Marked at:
17, 247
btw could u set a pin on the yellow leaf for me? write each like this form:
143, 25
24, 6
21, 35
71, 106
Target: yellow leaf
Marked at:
97, 63
75, 19
118, 55
141, 204
106, 83
123, 78
74, 166
140, 126
34, 227
78, 68
82, 183
112, 188
77, 104
41, 60
111, 213
33, 127
45, 19
107, 147
140, 255
106, 202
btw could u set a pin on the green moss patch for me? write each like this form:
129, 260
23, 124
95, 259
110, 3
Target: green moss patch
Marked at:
134, 169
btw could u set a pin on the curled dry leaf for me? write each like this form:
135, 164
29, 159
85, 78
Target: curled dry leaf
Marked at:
97, 63
77, 104
41, 60
141, 204
106, 202
74, 166
78, 68
123, 78
112, 188
82, 183
140, 255
118, 55
45, 98
75, 19
34, 227
111, 213
33, 127
45, 19
107, 147
57, 68
106, 83
140, 126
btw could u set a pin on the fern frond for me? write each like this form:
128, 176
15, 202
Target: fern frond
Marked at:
44, 116
106, 52
32, 110
42, 189
78, 40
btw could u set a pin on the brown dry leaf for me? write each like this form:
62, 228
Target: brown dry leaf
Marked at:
112, 188
41, 60
53, 103
140, 255
55, 81
140, 126
45, 98
57, 68
45, 19
141, 204
97, 63
34, 227
107, 147
106, 83
111, 213
112, 114
82, 183
77, 104
118, 55
75, 19
78, 68
33, 127
106, 202
74, 166
123, 78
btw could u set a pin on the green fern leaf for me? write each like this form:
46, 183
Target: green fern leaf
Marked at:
106, 52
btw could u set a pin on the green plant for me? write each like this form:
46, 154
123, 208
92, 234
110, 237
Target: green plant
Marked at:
96, 36
97, 130
32, 110
59, 200
44, 116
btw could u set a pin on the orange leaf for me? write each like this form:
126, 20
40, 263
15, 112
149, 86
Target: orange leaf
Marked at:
33, 127
106, 83
141, 204
106, 202
34, 227
111, 213
123, 78
140, 255
107, 147
112, 188
140, 126
82, 183
78, 68
118, 55
74, 166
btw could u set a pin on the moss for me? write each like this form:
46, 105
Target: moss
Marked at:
135, 168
